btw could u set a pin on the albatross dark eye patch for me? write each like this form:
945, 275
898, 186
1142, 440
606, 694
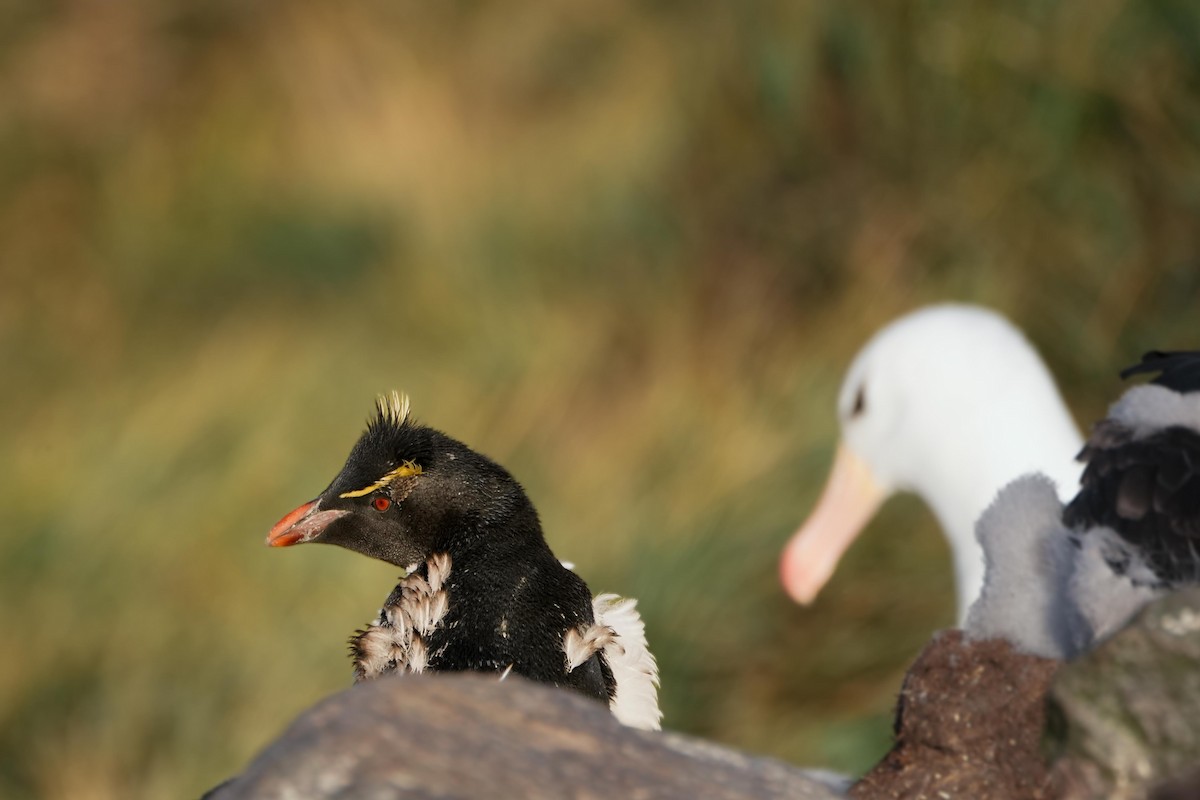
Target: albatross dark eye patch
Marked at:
860, 402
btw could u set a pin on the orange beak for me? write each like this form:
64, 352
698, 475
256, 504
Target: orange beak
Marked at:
849, 500
302, 525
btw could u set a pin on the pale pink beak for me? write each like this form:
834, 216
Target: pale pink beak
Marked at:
849, 500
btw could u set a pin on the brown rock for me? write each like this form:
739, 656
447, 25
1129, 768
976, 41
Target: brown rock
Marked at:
969, 725
465, 735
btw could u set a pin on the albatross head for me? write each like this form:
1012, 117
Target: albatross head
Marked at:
950, 402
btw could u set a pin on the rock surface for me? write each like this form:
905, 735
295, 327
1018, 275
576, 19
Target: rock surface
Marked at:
1125, 725
1124, 720
468, 736
969, 725
1183, 787
1132, 706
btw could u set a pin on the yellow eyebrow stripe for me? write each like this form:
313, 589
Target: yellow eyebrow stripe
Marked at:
403, 471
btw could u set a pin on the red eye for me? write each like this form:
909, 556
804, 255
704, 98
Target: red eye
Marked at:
381, 503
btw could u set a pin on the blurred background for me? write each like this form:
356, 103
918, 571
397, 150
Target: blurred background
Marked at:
627, 249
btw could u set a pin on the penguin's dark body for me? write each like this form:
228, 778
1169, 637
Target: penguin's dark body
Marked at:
497, 619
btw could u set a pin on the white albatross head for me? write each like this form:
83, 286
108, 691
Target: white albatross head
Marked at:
950, 402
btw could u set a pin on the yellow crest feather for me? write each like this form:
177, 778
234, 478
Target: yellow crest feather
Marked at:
405, 470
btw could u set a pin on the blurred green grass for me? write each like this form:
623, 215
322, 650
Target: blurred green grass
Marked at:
624, 249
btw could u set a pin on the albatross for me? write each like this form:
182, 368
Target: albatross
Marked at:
950, 402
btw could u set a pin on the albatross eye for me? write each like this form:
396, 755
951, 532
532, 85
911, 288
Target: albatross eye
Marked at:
860, 402
381, 503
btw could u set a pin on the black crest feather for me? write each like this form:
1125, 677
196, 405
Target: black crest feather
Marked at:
1178, 371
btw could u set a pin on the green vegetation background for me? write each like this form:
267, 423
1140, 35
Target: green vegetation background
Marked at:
626, 249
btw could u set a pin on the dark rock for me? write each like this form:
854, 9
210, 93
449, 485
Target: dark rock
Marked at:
468, 736
1132, 706
969, 725
1185, 787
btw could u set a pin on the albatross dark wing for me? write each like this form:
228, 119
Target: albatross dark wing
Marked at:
1147, 490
